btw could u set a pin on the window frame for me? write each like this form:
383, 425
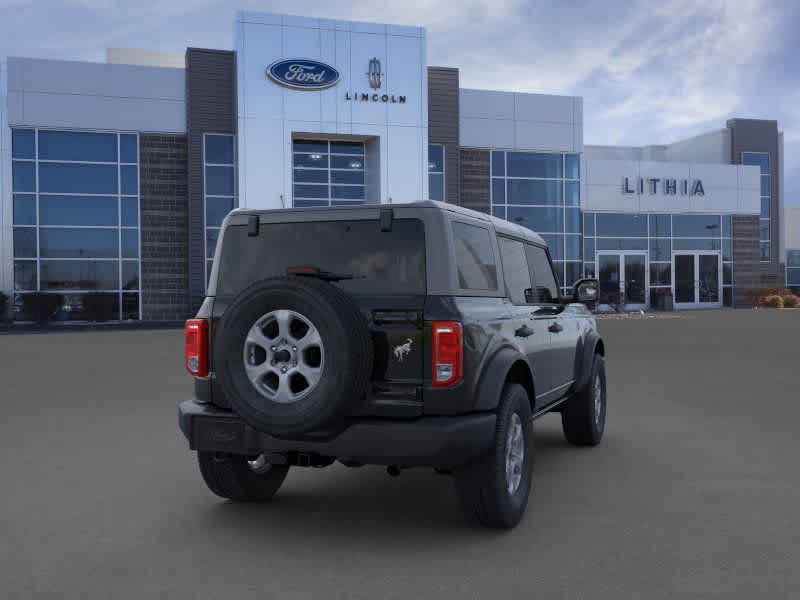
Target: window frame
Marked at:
208, 261
443, 172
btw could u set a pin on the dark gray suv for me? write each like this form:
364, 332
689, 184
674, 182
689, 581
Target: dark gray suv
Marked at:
409, 335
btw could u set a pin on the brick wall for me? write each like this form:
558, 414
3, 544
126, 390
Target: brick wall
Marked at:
475, 180
165, 227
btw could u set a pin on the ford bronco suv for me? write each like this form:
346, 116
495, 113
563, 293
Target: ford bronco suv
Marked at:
408, 335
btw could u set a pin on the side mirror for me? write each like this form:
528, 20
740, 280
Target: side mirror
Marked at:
586, 291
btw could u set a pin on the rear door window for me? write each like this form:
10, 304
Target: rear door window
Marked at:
545, 287
515, 270
475, 261
379, 262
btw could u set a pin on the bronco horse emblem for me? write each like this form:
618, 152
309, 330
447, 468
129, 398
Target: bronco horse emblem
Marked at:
401, 351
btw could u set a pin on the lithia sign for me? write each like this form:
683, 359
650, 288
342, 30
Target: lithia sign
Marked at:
667, 186
306, 74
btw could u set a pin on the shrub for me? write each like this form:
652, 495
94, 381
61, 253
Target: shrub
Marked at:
41, 306
99, 306
790, 301
773, 301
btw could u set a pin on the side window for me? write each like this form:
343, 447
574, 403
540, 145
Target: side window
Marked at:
515, 270
474, 257
545, 287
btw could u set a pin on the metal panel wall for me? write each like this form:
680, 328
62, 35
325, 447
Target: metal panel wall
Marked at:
443, 124
210, 108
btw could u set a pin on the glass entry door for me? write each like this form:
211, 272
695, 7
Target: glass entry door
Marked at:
623, 279
697, 279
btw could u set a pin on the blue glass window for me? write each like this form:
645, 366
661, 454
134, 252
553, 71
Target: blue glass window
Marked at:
765, 208
548, 220
219, 149
499, 212
356, 148
727, 249
80, 275
727, 225
435, 185
529, 164
696, 243
622, 225
555, 243
572, 190
498, 163
588, 224
219, 181
310, 191
24, 209
77, 178
588, 249
130, 243
765, 191
572, 220
311, 175
573, 166
23, 143
572, 247
759, 159
25, 275
765, 250
793, 258
211, 242
130, 275
435, 158
696, 225
77, 210
660, 226
306, 203
24, 242
357, 177
23, 176
527, 191
129, 180
216, 210
311, 161
660, 249
347, 192
130, 212
77, 146
78, 243
128, 149
347, 162
498, 191
572, 273
310, 146
621, 244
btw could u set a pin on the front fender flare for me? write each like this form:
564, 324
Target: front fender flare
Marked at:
588, 347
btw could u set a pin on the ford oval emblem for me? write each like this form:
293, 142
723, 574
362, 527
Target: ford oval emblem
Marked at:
303, 74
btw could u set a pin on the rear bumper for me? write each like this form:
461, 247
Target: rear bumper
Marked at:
442, 442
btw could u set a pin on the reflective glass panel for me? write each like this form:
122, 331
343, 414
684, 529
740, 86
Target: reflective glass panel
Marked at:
588, 249
499, 212
130, 307
347, 148
727, 273
23, 143
572, 191
311, 175
77, 210
77, 179
696, 225
130, 212
211, 242
128, 148
347, 192
25, 242
573, 166
435, 158
621, 244
765, 250
78, 146
588, 224
25, 275
219, 181
57, 242
314, 161
624, 225
23, 176
660, 226
130, 275
793, 258
498, 163
309, 146
24, 209
498, 191
435, 185
660, 274
477, 269
759, 159
515, 269
765, 185
526, 191
555, 243
216, 210
572, 220
545, 219
130, 243
530, 164
660, 249
572, 273
357, 177
765, 208
572, 247
79, 275
347, 162
219, 149
695, 244
727, 226
129, 183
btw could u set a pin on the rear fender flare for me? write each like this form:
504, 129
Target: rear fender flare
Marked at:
495, 374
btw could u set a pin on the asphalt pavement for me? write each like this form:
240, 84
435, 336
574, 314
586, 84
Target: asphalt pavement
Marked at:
694, 492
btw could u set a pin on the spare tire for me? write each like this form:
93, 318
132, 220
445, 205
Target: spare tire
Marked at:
293, 355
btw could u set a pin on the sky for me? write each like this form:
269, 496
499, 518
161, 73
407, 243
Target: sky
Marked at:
649, 72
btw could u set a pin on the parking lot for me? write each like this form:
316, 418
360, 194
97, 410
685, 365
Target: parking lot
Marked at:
695, 491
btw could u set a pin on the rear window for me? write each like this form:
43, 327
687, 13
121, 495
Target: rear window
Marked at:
382, 262
474, 258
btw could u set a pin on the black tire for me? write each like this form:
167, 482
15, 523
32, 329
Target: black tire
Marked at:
583, 424
482, 486
347, 364
230, 476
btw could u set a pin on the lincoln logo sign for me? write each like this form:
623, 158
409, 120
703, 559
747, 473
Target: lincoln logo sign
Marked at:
302, 74
667, 186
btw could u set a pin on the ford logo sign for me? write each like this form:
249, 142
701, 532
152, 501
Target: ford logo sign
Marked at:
303, 74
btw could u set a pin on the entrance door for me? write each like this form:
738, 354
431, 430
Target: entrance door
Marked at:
697, 279
623, 279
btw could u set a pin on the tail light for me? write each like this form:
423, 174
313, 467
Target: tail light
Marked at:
447, 355
195, 335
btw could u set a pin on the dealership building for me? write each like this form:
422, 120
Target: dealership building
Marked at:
115, 176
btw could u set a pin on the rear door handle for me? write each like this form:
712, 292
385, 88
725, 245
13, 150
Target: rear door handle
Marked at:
555, 328
523, 331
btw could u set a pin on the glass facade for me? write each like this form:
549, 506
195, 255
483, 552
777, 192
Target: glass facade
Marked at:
541, 191
219, 166
327, 173
761, 160
76, 219
436, 172
659, 235
793, 268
